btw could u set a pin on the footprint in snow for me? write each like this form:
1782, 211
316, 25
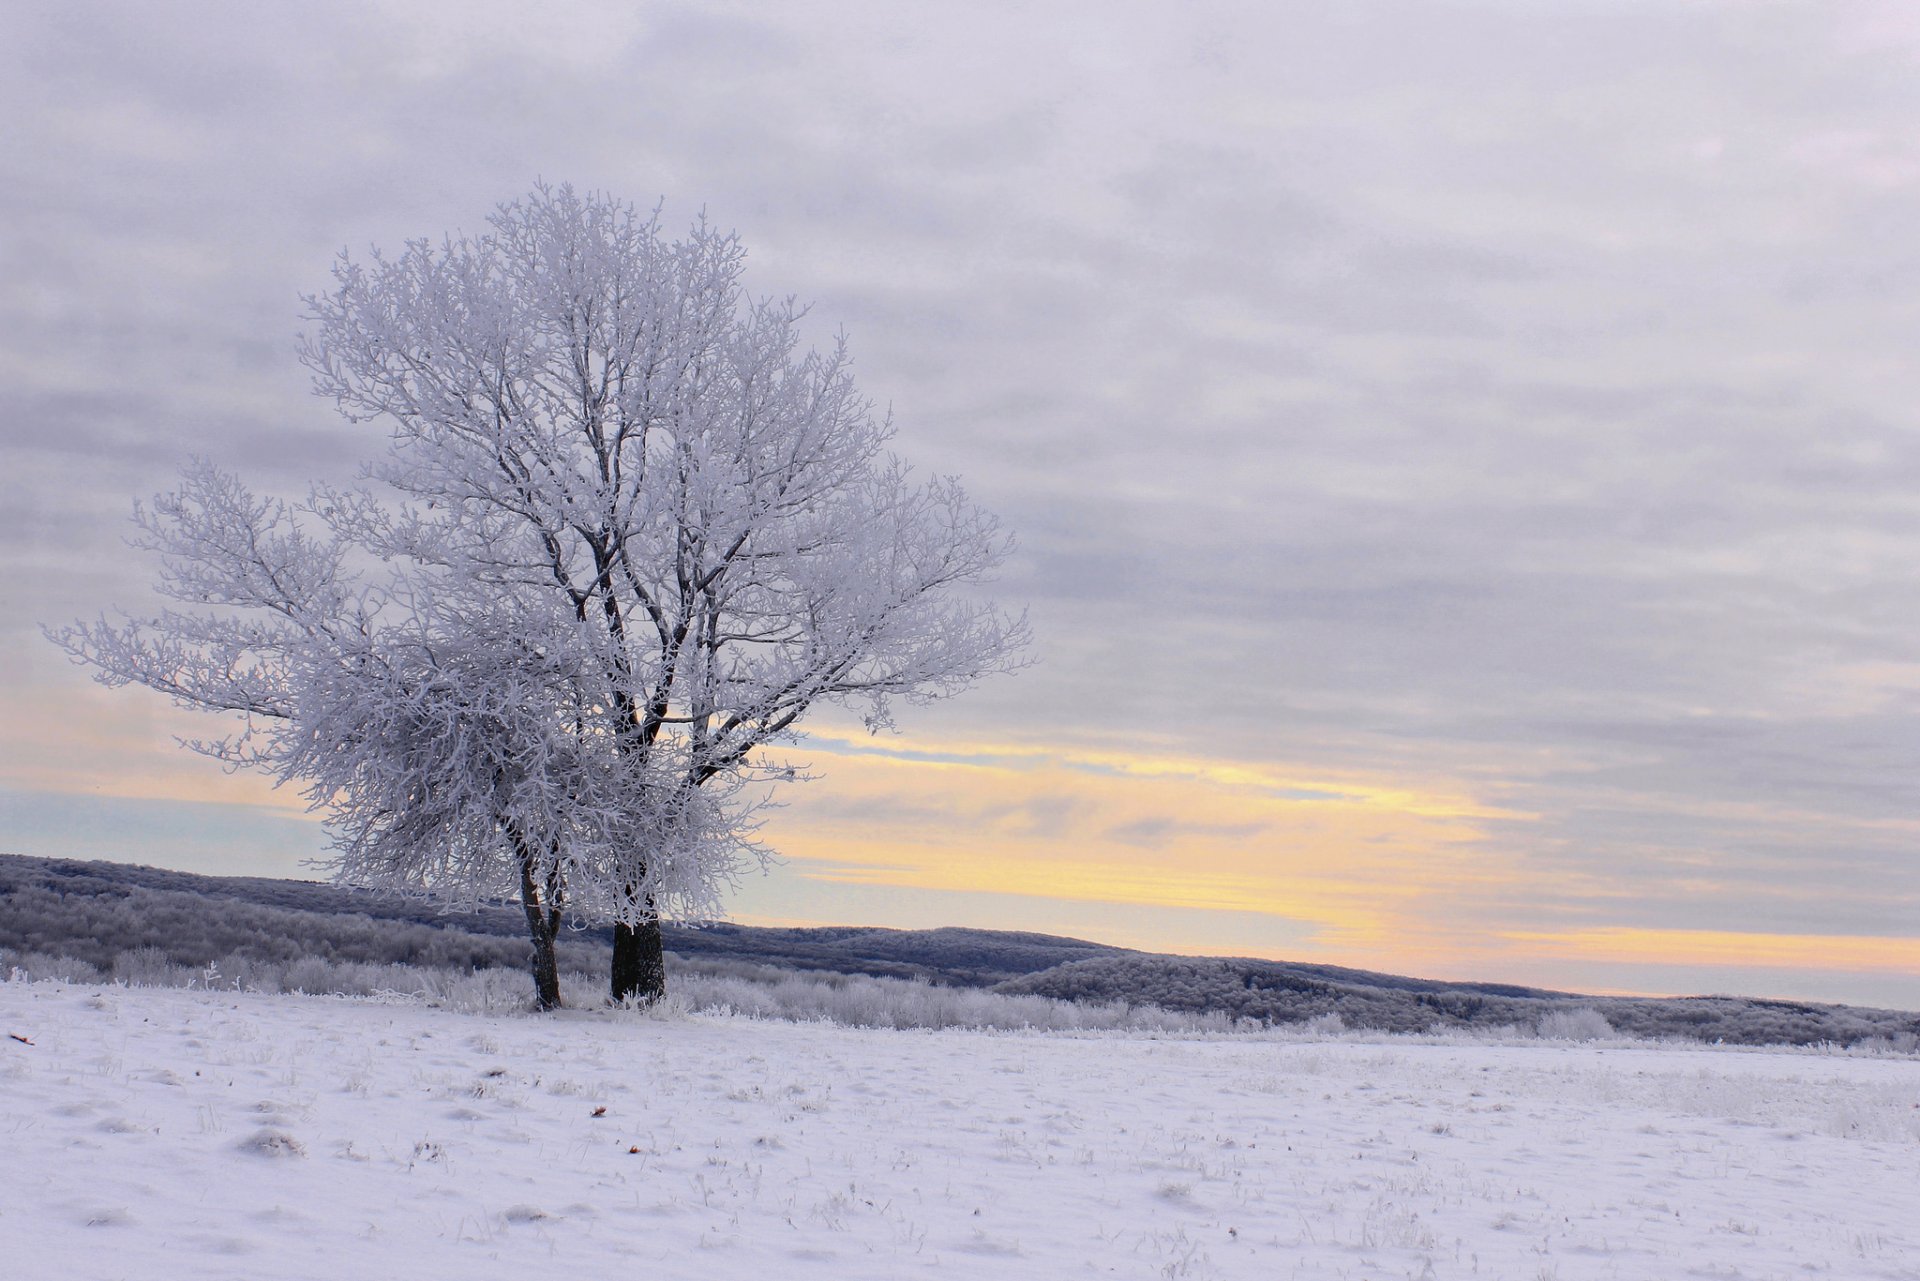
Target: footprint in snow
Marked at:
120, 1125
273, 1143
524, 1214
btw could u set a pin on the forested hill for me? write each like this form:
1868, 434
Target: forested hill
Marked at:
95, 911
102, 913
1278, 992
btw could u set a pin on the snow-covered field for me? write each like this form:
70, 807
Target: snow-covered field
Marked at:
149, 1133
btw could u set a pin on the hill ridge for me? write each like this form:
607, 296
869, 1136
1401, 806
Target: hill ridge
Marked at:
97, 912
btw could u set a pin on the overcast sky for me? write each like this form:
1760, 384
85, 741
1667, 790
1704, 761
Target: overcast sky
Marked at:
1466, 457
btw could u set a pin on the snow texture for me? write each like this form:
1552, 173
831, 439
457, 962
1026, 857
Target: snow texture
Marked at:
162, 1133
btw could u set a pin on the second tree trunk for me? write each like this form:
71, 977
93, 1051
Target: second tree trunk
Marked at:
639, 962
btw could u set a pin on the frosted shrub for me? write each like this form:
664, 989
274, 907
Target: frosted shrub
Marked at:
722, 995
313, 975
854, 1000
499, 991
1905, 1044
1582, 1024
39, 967
149, 967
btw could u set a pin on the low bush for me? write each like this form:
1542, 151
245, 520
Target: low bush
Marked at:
1582, 1024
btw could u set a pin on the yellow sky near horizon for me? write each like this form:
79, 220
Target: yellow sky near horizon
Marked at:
1351, 858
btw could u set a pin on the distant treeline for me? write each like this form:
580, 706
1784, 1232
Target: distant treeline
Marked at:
1275, 992
102, 920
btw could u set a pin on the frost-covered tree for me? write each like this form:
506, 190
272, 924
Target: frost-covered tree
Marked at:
602, 417
626, 534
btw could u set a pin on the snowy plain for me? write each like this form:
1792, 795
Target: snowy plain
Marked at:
153, 1133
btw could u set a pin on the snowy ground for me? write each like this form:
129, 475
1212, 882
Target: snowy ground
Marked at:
151, 1133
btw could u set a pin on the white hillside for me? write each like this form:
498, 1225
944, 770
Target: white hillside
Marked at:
157, 1134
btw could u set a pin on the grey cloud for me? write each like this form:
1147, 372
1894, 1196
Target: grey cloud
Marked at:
1044, 817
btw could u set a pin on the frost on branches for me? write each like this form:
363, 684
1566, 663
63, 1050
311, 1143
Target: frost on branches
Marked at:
625, 535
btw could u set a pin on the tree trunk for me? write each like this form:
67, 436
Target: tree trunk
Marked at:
543, 923
639, 961
546, 970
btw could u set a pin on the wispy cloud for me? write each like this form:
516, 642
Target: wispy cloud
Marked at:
1159, 832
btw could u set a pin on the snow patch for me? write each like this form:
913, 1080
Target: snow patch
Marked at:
808, 1152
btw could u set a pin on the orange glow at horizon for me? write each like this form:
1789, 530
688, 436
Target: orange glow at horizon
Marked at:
1356, 861
99, 742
